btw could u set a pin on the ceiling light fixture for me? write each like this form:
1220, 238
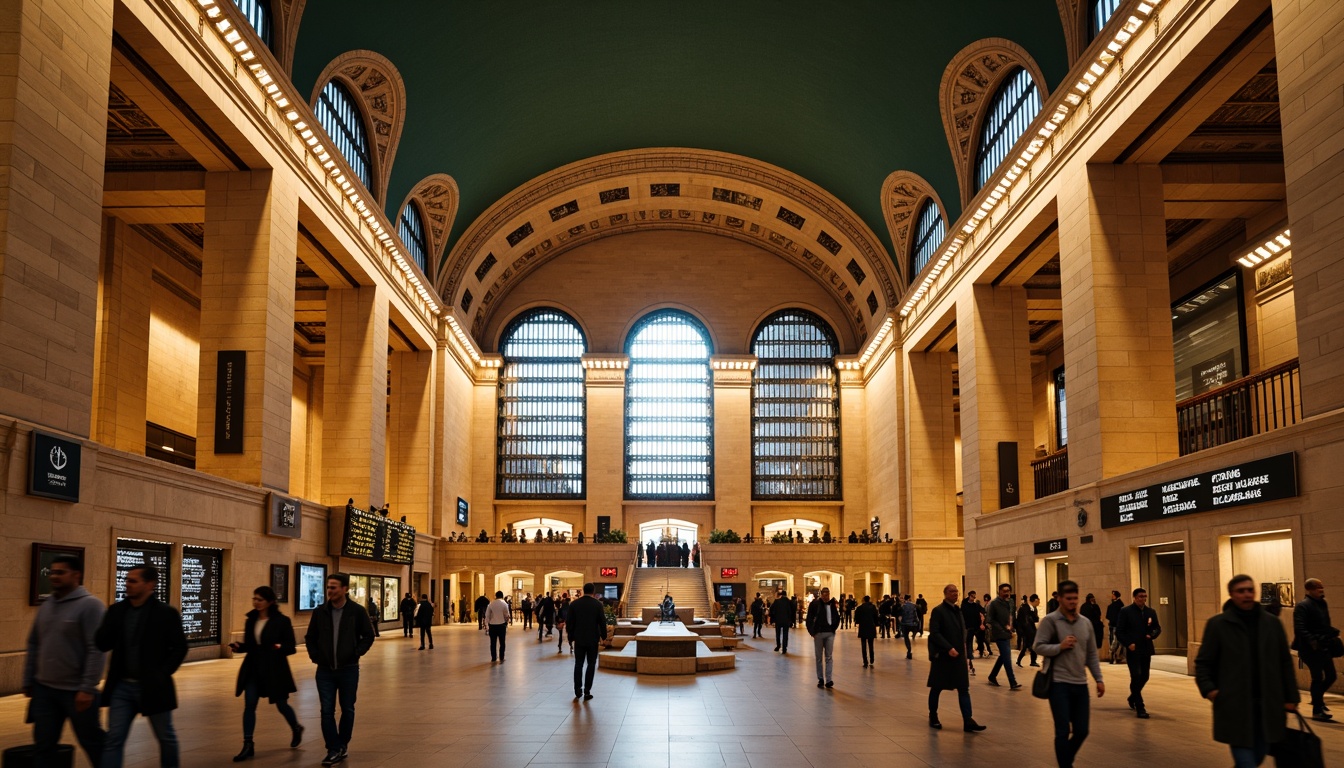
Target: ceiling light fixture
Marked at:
1272, 247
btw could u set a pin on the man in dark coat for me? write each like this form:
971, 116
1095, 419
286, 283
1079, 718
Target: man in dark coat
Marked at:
685, 555
970, 618
650, 555
1313, 639
757, 615
782, 615
481, 604
921, 608
545, 615
265, 669
407, 610
424, 620
1112, 623
1245, 669
1136, 630
866, 616
339, 634
587, 626
528, 609
148, 645
947, 652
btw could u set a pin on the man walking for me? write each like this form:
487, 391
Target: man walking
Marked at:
1315, 641
407, 610
148, 645
545, 615
496, 618
587, 626
823, 620
757, 616
782, 615
970, 619
481, 604
1000, 615
1244, 668
922, 608
865, 616
1066, 639
339, 634
908, 617
948, 671
424, 619
1136, 631
1112, 621
63, 665
526, 606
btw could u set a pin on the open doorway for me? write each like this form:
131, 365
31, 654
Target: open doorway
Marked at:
1162, 573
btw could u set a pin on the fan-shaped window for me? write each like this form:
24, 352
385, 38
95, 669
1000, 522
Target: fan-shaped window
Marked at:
411, 228
795, 409
258, 13
930, 229
669, 409
344, 123
1100, 12
541, 408
1010, 113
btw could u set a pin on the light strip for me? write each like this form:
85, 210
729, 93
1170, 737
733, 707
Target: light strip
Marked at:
1272, 247
316, 145
999, 193
467, 344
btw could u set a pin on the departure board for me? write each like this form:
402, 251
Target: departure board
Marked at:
202, 588
370, 536
133, 552
1255, 482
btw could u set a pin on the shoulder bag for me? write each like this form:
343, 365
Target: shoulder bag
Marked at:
1040, 684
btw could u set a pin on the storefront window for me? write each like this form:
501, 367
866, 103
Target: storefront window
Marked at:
391, 597
1208, 337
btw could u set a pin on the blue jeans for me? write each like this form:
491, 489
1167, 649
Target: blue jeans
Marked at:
1250, 757
1070, 708
121, 712
1003, 662
51, 707
344, 682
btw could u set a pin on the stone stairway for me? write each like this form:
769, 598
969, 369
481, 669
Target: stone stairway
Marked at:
686, 585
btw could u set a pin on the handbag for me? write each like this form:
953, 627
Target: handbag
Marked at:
1301, 747
1045, 676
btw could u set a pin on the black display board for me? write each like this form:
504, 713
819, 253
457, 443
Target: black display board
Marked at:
133, 552
1052, 546
462, 512
230, 399
53, 467
310, 585
1254, 482
370, 536
202, 593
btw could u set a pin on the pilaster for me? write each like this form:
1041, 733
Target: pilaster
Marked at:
732, 441
604, 387
354, 432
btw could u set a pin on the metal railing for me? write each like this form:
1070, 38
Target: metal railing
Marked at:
1249, 406
1051, 473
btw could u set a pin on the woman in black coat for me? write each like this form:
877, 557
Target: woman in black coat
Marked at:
1092, 612
424, 619
268, 641
1027, 618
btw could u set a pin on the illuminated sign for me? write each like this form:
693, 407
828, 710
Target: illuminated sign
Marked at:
1255, 482
608, 573
727, 573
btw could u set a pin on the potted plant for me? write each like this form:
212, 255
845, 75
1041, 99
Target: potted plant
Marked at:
611, 623
728, 614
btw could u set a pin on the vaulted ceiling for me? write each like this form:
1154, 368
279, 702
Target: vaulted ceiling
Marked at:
840, 94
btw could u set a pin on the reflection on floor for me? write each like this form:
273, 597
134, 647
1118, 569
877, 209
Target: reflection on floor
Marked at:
450, 707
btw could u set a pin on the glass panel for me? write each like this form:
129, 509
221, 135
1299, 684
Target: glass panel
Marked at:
1061, 411
1102, 11
669, 410
930, 229
542, 408
795, 409
341, 119
258, 13
391, 597
1207, 333
411, 228
1014, 106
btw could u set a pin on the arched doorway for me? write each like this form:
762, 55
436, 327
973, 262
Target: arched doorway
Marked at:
769, 582
529, 528
815, 581
562, 582
514, 585
669, 530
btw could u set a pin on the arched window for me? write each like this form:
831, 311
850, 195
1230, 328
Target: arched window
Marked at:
669, 409
411, 228
1100, 12
795, 409
258, 13
541, 408
343, 122
1010, 113
930, 229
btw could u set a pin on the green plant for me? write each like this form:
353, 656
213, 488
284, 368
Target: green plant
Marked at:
781, 538
724, 537
612, 537
728, 610
611, 615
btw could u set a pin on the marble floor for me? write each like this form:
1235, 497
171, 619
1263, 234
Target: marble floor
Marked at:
451, 707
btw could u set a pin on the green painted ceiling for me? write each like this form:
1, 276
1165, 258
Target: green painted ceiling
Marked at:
840, 92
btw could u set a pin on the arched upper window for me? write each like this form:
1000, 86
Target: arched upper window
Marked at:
343, 122
1011, 111
258, 13
930, 229
669, 409
1100, 12
411, 228
795, 409
542, 414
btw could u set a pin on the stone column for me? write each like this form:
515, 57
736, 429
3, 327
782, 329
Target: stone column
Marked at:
604, 385
732, 443
247, 304
933, 547
120, 377
1311, 76
410, 449
53, 101
854, 459
354, 402
994, 358
1118, 363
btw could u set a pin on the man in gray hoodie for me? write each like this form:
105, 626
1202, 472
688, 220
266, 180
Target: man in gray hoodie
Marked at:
63, 665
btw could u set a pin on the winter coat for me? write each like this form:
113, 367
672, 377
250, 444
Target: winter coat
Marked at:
1026, 625
1312, 633
265, 664
587, 621
424, 614
866, 617
783, 613
161, 648
817, 622
758, 610
1000, 619
947, 632
356, 636
1138, 627
1224, 665
1092, 612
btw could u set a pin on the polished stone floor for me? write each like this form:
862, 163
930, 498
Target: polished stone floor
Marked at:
451, 707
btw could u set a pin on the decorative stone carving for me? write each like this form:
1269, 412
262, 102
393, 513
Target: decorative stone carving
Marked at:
437, 196
903, 194
285, 16
372, 79
1073, 17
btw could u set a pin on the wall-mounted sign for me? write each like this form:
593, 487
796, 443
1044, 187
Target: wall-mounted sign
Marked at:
39, 580
1254, 482
284, 516
462, 510
230, 394
370, 536
53, 467
202, 589
728, 573
608, 573
310, 585
1214, 372
1052, 546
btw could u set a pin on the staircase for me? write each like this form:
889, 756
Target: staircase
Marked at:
686, 585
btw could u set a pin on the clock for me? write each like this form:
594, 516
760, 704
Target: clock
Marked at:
1082, 518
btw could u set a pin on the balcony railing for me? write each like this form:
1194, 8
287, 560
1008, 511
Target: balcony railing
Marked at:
1051, 473
1250, 406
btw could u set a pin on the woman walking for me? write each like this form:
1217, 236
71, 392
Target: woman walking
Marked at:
424, 619
268, 641
561, 616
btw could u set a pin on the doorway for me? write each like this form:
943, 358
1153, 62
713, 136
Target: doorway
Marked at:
1162, 573
1049, 572
670, 531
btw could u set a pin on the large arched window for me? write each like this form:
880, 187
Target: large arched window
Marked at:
541, 408
1011, 111
795, 409
669, 409
1100, 12
258, 13
411, 228
341, 119
930, 229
